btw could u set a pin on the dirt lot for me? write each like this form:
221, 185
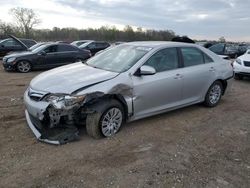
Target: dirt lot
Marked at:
191, 147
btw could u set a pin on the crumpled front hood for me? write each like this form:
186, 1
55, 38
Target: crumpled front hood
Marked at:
69, 78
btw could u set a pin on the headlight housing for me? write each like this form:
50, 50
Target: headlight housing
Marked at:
10, 60
239, 61
60, 101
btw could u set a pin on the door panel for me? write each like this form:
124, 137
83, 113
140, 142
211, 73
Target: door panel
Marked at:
154, 93
197, 74
66, 54
157, 92
196, 81
51, 59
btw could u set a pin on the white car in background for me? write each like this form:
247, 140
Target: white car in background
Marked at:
242, 66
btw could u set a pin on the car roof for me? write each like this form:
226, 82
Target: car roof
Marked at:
156, 44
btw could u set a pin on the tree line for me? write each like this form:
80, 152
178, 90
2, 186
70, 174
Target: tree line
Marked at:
103, 33
26, 20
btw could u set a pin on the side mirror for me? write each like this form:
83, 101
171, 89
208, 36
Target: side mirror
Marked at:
43, 53
146, 70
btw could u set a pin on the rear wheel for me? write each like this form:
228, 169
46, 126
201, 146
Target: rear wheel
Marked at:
214, 94
107, 120
23, 66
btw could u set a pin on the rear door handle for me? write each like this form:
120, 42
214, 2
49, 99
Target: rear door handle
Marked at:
178, 76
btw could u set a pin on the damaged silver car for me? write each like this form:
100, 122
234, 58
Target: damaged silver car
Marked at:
124, 83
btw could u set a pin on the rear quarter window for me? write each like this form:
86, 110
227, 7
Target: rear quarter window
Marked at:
207, 59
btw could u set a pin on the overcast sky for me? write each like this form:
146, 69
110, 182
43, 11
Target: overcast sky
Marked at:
200, 19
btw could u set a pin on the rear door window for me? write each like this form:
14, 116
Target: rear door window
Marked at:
66, 48
207, 59
192, 56
92, 45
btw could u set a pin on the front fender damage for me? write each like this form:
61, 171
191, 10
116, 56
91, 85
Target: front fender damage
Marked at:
61, 124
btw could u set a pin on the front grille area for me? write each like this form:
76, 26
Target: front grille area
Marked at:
247, 63
36, 95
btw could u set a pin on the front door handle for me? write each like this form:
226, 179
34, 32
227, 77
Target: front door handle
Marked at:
212, 69
178, 76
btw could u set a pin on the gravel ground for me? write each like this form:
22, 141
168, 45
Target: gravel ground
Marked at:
190, 147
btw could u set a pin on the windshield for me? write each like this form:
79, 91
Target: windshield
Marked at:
85, 44
38, 49
35, 46
217, 48
118, 59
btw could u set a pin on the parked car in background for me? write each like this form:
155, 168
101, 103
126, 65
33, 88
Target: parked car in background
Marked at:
48, 55
205, 44
13, 44
242, 66
80, 42
183, 39
231, 50
124, 83
118, 43
94, 46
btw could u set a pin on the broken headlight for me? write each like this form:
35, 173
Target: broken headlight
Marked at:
63, 101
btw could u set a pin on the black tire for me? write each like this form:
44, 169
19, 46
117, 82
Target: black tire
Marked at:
20, 66
94, 120
209, 100
238, 77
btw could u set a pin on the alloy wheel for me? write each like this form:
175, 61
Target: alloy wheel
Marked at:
215, 94
111, 122
23, 66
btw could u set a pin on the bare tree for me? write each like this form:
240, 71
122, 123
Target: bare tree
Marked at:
26, 19
222, 39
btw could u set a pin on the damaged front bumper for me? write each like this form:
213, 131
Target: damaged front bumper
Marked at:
36, 131
39, 122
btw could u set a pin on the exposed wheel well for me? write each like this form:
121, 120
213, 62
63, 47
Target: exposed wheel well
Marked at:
224, 84
117, 97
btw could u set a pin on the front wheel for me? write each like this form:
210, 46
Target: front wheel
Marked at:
23, 66
106, 121
214, 94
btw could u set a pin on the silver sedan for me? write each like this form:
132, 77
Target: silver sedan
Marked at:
124, 83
